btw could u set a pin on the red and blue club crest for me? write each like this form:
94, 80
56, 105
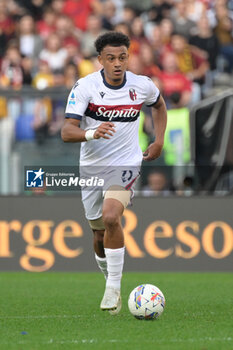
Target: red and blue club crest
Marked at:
132, 94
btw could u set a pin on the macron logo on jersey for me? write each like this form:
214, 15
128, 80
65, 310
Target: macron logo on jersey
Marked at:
102, 94
121, 113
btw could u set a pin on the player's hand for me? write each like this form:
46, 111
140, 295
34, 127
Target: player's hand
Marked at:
153, 151
105, 130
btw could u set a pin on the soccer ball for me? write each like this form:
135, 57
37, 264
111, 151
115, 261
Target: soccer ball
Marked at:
146, 302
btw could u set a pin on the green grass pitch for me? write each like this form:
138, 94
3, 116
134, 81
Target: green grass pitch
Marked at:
61, 311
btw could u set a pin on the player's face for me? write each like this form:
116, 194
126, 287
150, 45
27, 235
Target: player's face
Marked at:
114, 61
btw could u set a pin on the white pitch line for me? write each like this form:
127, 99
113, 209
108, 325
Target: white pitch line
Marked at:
193, 340
71, 341
95, 341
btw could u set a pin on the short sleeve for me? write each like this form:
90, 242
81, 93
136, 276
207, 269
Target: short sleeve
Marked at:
78, 101
153, 93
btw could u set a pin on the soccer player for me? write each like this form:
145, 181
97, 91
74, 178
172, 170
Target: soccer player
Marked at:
103, 114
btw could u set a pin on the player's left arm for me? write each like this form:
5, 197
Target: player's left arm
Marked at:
159, 115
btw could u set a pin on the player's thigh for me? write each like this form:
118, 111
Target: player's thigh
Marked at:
120, 185
118, 193
92, 201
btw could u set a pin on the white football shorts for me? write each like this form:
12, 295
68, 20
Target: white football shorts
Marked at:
92, 196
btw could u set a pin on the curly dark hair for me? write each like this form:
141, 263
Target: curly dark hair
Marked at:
112, 39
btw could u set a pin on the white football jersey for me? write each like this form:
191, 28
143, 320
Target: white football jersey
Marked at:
93, 101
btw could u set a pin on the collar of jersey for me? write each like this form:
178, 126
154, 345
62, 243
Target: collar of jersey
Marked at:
113, 86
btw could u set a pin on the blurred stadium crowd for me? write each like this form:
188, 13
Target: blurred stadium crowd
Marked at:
185, 46
176, 42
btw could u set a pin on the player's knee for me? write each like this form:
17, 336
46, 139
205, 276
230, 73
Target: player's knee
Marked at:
110, 219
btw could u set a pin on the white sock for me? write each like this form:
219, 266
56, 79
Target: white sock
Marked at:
115, 262
102, 263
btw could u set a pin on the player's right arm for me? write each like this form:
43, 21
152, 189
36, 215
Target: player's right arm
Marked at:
77, 104
71, 132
